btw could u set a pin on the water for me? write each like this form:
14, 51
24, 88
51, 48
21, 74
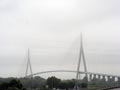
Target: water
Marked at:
115, 89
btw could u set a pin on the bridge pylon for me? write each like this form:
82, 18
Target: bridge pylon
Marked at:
81, 57
29, 66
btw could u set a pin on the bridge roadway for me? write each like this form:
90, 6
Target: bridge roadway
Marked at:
72, 71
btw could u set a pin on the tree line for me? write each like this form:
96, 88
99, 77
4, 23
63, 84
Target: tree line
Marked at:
52, 82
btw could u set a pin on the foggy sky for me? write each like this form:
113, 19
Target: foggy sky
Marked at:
51, 29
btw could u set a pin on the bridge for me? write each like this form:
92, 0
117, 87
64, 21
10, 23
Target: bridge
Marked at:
72, 71
89, 75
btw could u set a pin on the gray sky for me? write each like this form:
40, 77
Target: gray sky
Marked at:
51, 29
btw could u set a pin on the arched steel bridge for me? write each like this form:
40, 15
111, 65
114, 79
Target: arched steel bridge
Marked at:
72, 71
81, 72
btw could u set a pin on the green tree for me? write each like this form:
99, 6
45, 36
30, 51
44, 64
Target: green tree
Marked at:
67, 84
15, 83
12, 85
3, 86
53, 82
83, 85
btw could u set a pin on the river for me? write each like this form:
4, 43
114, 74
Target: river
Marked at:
109, 89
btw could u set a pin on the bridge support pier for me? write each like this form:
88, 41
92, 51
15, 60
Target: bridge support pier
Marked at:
90, 77
103, 78
99, 77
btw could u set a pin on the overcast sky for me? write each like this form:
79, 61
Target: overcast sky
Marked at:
51, 29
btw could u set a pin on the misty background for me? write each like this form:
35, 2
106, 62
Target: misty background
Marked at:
51, 30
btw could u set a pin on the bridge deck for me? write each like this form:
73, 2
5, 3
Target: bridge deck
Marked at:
73, 71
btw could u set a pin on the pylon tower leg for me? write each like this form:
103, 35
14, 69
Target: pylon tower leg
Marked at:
81, 55
29, 66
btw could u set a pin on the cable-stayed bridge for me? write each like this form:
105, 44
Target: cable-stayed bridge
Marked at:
88, 75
